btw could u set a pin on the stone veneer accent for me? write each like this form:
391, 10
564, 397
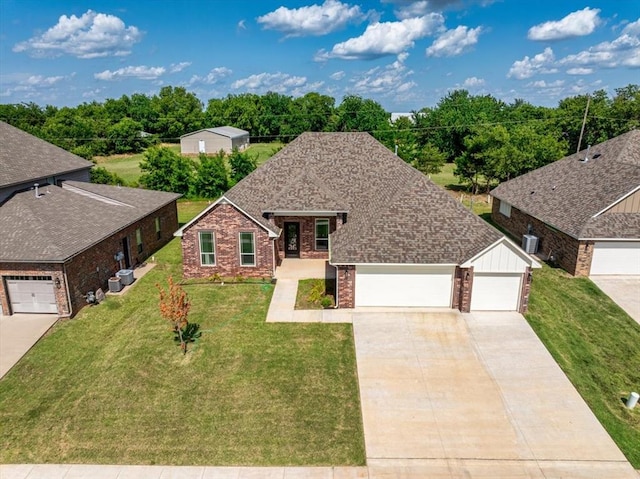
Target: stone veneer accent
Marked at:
226, 222
346, 285
570, 254
92, 268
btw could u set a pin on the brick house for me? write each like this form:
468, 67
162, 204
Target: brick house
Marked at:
392, 237
583, 211
61, 239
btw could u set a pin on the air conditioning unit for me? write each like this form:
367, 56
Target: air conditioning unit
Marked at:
126, 276
530, 244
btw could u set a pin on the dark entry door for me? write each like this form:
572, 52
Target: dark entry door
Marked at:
125, 250
292, 240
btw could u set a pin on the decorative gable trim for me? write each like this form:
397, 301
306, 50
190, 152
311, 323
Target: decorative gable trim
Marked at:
223, 200
511, 246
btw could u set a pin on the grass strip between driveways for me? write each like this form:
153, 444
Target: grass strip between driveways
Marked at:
596, 344
111, 386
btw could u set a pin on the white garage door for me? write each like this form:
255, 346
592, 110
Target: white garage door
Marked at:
32, 295
495, 292
413, 286
616, 257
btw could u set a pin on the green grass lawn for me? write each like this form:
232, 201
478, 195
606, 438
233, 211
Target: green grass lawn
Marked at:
128, 166
111, 387
596, 344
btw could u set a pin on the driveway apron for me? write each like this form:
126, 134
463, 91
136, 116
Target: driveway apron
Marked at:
463, 394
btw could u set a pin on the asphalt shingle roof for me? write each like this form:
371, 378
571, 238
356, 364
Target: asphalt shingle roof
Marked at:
64, 221
568, 193
23, 157
394, 213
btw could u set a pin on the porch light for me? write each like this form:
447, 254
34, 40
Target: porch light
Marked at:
57, 283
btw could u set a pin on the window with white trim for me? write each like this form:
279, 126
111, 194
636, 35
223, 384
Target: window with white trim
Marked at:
322, 234
139, 239
207, 241
247, 249
505, 208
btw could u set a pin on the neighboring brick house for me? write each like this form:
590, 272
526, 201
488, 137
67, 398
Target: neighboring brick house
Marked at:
583, 210
211, 140
60, 240
393, 236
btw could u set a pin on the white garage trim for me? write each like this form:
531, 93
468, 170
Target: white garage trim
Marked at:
404, 285
616, 257
34, 295
496, 291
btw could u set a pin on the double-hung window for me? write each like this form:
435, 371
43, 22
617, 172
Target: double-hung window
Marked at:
139, 240
207, 242
247, 249
322, 234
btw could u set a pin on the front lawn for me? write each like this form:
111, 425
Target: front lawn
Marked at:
111, 387
596, 344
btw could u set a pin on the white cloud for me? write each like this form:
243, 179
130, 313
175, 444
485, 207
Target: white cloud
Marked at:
34, 86
385, 81
544, 84
312, 20
276, 82
90, 36
385, 38
623, 51
632, 28
577, 24
140, 72
580, 71
454, 42
178, 67
242, 25
473, 82
527, 67
412, 9
337, 75
216, 75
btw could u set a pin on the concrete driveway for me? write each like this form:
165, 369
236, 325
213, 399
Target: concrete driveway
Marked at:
453, 395
18, 333
624, 290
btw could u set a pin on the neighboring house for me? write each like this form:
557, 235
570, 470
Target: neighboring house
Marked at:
583, 210
393, 236
62, 239
25, 162
212, 140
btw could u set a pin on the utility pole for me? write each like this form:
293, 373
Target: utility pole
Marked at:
584, 121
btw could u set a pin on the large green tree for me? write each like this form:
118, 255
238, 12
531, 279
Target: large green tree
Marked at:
241, 163
212, 178
165, 170
178, 112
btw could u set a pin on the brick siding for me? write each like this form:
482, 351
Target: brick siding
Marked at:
570, 254
226, 222
462, 289
525, 290
346, 286
92, 268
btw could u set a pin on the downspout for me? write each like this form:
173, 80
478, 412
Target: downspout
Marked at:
66, 287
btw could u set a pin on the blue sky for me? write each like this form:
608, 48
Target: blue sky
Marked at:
404, 54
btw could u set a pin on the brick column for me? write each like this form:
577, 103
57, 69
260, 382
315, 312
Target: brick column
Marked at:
526, 288
463, 285
346, 286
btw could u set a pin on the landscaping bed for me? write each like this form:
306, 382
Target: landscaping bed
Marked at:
315, 294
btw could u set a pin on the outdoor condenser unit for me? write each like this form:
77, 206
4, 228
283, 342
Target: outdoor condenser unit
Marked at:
126, 276
530, 244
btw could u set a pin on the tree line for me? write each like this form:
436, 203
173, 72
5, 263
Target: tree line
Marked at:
488, 140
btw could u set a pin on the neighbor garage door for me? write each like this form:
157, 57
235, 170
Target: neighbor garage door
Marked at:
495, 291
414, 286
32, 295
616, 257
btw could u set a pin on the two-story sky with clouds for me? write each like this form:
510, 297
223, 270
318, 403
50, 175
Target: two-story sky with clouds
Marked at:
404, 54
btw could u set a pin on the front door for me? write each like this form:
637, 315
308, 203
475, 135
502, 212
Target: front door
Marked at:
292, 240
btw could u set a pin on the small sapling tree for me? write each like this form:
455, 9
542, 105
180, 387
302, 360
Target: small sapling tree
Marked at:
174, 307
